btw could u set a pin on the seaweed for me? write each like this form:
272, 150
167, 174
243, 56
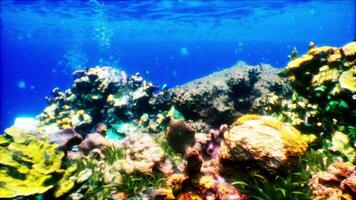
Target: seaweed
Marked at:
173, 155
130, 184
136, 182
293, 185
114, 153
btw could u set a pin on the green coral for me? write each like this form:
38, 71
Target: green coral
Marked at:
28, 165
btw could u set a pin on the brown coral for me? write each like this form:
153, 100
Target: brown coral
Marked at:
180, 135
94, 141
65, 138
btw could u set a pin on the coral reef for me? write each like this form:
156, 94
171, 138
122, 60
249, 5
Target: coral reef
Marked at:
337, 182
28, 165
114, 136
143, 155
102, 95
325, 78
264, 140
193, 184
225, 95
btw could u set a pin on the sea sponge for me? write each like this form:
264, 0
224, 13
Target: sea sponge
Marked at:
29, 164
264, 140
180, 135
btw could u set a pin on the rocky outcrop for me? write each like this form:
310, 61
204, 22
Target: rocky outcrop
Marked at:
225, 95
264, 141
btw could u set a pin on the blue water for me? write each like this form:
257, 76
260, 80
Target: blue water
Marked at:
170, 42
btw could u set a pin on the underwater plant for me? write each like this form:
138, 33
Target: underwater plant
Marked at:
291, 184
105, 179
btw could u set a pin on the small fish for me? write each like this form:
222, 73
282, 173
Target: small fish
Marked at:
164, 87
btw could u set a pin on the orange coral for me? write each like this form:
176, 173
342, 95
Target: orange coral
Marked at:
337, 182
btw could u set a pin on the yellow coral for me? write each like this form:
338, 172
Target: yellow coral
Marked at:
347, 79
27, 164
207, 182
341, 143
175, 181
166, 193
296, 63
245, 118
160, 118
3, 140
144, 120
350, 49
65, 184
324, 76
294, 142
34, 183
319, 50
